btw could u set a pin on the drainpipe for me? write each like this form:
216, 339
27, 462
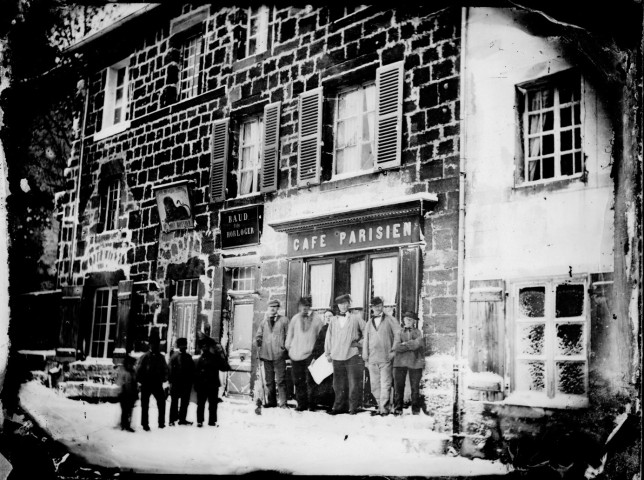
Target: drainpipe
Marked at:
462, 115
78, 184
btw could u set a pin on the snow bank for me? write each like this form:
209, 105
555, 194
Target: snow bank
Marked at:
307, 443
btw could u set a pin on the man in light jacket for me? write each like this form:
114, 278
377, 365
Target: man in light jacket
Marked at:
343, 346
378, 355
302, 333
270, 340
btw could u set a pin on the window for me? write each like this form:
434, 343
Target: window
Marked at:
355, 129
243, 278
190, 81
250, 156
551, 330
187, 288
105, 322
110, 206
257, 30
115, 107
551, 127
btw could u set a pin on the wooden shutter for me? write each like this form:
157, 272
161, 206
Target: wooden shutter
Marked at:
218, 160
389, 88
270, 147
124, 304
294, 286
70, 306
310, 135
487, 326
409, 280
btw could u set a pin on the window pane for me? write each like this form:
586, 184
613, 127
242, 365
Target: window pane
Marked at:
577, 137
535, 147
578, 162
531, 339
320, 281
571, 377
546, 98
534, 122
548, 144
548, 167
384, 281
532, 302
548, 121
531, 376
570, 300
246, 183
566, 164
566, 117
367, 156
534, 172
570, 339
566, 140
565, 94
357, 273
577, 114
534, 101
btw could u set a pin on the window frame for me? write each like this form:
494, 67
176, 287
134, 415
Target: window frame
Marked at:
550, 397
112, 301
196, 79
108, 126
260, 156
180, 286
265, 12
110, 204
361, 143
554, 82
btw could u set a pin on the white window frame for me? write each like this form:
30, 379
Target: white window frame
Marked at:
554, 84
550, 397
190, 75
193, 289
256, 167
111, 202
361, 142
109, 323
262, 15
243, 277
109, 126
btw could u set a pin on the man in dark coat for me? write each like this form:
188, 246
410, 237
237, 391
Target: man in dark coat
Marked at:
182, 370
212, 360
323, 391
152, 373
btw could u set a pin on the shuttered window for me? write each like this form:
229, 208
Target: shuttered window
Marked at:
389, 86
270, 147
310, 137
250, 156
218, 160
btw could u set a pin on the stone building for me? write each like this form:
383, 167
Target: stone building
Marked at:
455, 162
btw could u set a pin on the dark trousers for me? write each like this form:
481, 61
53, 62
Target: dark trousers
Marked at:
400, 374
347, 384
159, 396
275, 371
304, 383
210, 394
127, 405
179, 404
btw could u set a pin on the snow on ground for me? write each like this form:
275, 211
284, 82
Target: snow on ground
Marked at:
303, 443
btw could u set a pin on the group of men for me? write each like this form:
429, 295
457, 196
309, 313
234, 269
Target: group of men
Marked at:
391, 353
153, 373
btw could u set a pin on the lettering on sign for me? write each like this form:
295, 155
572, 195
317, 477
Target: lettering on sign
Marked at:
241, 227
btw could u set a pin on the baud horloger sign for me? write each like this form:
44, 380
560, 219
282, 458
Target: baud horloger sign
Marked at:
358, 236
241, 226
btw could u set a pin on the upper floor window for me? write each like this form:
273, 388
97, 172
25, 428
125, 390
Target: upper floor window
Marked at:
552, 129
116, 101
355, 130
110, 206
551, 338
191, 67
257, 30
250, 155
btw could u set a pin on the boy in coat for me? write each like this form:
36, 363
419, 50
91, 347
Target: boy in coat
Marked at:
152, 373
182, 370
129, 392
270, 340
378, 355
409, 359
212, 360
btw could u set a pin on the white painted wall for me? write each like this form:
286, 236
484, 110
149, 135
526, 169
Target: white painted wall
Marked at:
515, 233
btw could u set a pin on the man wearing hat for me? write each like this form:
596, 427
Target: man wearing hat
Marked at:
410, 359
270, 340
377, 353
152, 373
343, 346
302, 333
182, 370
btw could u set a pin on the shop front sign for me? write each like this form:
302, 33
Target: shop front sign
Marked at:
241, 226
173, 202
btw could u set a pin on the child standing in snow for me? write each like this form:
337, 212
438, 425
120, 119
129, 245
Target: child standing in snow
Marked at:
128, 394
409, 359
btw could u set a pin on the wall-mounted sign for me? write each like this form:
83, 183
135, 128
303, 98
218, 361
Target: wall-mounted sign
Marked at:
241, 226
358, 236
175, 211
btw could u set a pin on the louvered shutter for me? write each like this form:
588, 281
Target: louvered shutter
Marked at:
389, 87
270, 147
310, 133
218, 160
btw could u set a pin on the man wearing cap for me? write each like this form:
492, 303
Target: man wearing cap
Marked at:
410, 359
302, 333
182, 370
378, 355
343, 346
270, 340
152, 373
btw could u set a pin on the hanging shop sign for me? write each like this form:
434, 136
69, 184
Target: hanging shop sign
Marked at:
173, 202
241, 226
357, 236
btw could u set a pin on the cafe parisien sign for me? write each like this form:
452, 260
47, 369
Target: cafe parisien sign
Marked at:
358, 236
